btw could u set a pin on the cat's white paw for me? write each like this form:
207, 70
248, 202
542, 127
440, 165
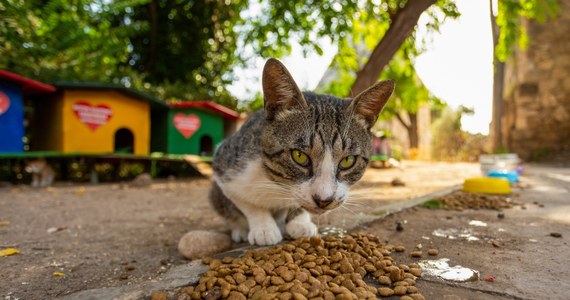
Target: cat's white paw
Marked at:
297, 229
265, 235
239, 235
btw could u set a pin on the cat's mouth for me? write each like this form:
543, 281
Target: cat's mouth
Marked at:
319, 211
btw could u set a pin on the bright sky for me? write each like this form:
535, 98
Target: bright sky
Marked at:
457, 67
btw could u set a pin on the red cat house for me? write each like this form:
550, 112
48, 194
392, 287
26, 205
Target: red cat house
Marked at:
14, 90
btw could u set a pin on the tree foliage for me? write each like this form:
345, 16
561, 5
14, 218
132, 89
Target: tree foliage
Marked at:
61, 40
509, 17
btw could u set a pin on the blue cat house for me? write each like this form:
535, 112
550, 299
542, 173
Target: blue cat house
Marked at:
13, 90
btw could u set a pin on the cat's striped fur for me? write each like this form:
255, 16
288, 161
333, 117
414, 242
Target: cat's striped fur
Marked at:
261, 190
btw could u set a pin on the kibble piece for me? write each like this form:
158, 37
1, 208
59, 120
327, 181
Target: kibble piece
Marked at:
412, 289
236, 296
416, 271
406, 298
417, 296
385, 292
556, 234
400, 248
433, 252
416, 254
400, 290
385, 280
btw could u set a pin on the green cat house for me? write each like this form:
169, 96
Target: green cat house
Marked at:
191, 127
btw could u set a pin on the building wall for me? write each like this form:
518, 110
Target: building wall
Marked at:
536, 118
184, 134
11, 118
92, 117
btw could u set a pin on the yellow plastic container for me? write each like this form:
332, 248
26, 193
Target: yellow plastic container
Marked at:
486, 185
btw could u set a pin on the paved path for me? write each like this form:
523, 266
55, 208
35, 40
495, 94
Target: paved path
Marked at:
526, 261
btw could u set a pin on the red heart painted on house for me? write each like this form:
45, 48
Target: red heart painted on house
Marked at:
187, 125
92, 115
4, 103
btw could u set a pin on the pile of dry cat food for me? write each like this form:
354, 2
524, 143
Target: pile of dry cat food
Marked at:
460, 200
357, 266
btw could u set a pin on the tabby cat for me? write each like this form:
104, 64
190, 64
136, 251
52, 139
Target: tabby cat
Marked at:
298, 155
42, 173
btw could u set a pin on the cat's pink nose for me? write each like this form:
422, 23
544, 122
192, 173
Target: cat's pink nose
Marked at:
323, 203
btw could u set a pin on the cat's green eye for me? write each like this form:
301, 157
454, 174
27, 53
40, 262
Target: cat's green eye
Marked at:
347, 162
300, 158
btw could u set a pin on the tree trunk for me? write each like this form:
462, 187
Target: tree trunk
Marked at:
498, 86
411, 128
402, 25
152, 53
413, 131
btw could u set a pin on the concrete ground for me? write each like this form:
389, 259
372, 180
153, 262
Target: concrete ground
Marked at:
73, 238
518, 251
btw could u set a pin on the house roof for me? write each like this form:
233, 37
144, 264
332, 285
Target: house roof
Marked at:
154, 102
29, 86
214, 107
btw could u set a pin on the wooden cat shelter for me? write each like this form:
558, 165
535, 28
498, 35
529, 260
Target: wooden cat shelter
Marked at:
14, 89
192, 127
95, 118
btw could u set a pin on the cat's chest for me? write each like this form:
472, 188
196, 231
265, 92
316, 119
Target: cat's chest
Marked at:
253, 186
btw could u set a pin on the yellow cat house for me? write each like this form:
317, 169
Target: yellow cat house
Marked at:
94, 118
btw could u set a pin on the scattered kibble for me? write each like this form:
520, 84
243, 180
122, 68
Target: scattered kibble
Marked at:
416, 254
326, 268
460, 200
159, 295
400, 248
556, 234
433, 252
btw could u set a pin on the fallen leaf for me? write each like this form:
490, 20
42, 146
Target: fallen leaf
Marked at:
496, 243
58, 274
8, 252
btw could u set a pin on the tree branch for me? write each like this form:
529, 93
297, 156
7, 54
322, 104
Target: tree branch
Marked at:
402, 121
403, 23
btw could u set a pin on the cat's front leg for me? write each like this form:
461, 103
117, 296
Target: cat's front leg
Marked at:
299, 224
263, 229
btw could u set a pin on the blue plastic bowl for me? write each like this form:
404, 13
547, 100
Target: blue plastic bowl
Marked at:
511, 176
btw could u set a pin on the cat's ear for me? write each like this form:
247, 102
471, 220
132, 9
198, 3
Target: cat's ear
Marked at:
280, 92
368, 104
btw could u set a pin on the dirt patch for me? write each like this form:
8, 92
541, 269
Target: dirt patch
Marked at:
79, 237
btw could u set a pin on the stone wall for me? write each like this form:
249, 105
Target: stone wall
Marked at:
536, 119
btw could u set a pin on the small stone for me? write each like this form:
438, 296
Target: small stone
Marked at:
399, 226
433, 252
201, 243
398, 182
556, 234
